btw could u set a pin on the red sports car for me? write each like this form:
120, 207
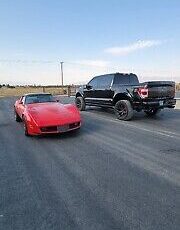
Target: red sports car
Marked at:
42, 114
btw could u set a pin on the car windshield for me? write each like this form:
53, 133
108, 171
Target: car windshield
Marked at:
39, 99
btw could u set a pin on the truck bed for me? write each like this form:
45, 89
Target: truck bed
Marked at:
160, 89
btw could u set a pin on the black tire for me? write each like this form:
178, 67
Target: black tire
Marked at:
152, 112
17, 117
123, 110
80, 103
26, 133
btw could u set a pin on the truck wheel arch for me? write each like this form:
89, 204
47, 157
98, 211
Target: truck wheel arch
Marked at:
78, 95
121, 96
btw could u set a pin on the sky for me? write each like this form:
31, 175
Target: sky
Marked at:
91, 37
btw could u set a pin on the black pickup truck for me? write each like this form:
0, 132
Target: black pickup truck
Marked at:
124, 93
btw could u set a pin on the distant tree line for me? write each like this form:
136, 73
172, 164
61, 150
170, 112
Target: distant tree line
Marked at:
35, 86
53, 86
7, 86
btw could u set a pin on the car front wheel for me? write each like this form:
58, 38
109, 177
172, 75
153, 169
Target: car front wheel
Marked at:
26, 132
17, 117
123, 110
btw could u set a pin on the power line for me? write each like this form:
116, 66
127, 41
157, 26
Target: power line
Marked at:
110, 68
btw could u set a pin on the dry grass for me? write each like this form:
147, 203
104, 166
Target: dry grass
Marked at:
177, 86
18, 91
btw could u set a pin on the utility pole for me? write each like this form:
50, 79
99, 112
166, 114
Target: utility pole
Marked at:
61, 63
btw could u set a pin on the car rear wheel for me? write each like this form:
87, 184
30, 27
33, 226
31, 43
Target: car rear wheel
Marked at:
80, 103
123, 110
152, 112
17, 117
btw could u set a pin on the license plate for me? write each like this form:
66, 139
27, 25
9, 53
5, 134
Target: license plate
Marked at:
161, 103
63, 128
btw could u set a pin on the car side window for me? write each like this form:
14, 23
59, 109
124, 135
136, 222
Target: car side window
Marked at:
100, 82
93, 83
121, 79
104, 82
133, 79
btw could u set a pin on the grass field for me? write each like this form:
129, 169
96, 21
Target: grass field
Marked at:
20, 90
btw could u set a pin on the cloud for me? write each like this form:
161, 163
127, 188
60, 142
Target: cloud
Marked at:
141, 44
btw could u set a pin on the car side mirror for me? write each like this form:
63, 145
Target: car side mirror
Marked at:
88, 87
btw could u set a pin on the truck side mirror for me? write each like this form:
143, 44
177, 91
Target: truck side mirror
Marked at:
88, 87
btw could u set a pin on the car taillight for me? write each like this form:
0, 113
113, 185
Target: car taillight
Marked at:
143, 92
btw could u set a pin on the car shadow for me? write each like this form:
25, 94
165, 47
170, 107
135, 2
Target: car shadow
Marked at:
86, 129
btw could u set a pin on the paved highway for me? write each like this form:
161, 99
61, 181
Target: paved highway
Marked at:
109, 175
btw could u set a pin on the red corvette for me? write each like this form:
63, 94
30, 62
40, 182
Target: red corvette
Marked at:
42, 114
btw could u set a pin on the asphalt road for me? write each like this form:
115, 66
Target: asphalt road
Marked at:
109, 175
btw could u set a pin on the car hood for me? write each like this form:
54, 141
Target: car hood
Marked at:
49, 114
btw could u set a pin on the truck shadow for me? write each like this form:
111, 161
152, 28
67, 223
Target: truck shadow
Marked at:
165, 114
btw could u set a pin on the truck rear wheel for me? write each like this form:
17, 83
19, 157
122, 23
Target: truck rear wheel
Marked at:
123, 110
80, 103
152, 112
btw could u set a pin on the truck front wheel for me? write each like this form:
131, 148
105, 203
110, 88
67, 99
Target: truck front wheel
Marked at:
80, 103
123, 110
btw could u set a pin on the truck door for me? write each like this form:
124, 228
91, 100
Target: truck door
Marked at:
90, 90
103, 91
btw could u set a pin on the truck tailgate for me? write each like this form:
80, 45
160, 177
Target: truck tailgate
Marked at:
160, 89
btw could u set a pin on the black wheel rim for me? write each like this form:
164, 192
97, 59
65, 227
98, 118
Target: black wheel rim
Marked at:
78, 103
121, 111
